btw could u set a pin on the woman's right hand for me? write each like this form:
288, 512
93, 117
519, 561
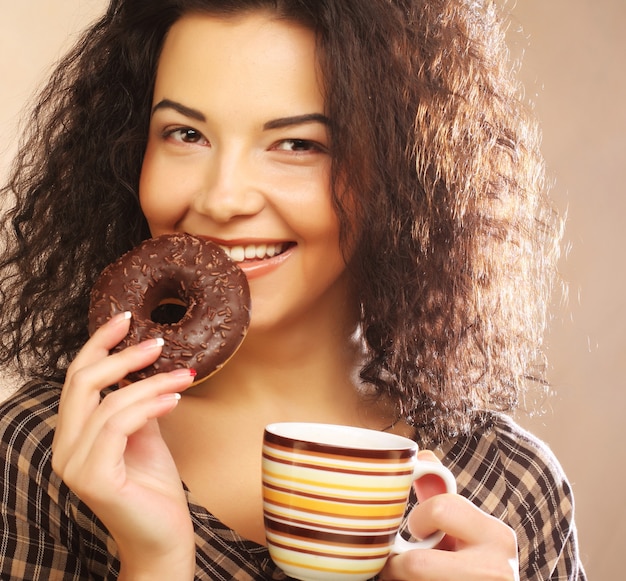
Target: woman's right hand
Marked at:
110, 452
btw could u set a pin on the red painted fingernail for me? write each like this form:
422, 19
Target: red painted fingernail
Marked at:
184, 372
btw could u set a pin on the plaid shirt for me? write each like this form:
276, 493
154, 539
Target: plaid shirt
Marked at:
48, 534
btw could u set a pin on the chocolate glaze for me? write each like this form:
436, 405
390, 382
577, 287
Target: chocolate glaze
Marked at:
176, 268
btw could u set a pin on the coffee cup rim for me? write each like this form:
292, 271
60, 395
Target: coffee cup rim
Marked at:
337, 437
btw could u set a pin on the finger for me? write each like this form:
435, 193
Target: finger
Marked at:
431, 484
457, 517
102, 341
97, 348
495, 560
75, 435
153, 388
80, 396
427, 456
420, 565
97, 470
94, 369
110, 370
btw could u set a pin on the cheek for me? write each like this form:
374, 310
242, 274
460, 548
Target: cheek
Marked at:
314, 208
161, 203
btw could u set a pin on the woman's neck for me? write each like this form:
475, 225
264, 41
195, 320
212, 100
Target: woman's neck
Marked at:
305, 373
278, 360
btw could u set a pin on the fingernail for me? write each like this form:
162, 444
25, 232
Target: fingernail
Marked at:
184, 372
120, 317
152, 343
173, 397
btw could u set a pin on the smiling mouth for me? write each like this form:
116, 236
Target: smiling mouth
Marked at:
251, 252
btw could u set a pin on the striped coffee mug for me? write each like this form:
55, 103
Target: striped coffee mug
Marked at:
335, 496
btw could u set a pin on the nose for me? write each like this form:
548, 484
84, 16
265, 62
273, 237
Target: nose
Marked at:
230, 190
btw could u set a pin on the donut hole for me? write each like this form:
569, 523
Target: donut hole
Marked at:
165, 301
169, 312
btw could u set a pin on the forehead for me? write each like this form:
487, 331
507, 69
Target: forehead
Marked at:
252, 55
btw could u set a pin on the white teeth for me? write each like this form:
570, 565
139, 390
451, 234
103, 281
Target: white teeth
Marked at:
252, 251
237, 253
261, 249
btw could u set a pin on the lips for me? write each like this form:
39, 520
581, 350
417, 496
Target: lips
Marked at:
242, 253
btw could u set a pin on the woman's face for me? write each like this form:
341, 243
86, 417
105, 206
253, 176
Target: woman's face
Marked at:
238, 153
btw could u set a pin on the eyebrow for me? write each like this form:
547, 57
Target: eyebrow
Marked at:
273, 124
179, 108
296, 120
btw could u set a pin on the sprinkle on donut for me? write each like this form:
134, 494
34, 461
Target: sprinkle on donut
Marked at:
206, 293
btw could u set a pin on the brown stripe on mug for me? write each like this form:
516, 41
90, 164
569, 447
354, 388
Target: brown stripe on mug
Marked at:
382, 530
336, 451
330, 538
302, 464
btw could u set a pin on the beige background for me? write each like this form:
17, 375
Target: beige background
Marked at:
574, 72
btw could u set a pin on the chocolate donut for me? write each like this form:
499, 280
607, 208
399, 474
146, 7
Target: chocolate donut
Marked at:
178, 269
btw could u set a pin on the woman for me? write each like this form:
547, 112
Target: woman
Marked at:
373, 161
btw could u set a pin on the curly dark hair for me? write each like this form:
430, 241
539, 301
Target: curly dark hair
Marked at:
456, 241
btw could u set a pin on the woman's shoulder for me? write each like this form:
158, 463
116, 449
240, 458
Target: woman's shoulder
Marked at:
504, 458
515, 476
28, 419
47, 532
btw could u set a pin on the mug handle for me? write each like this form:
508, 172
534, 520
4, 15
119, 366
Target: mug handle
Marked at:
423, 468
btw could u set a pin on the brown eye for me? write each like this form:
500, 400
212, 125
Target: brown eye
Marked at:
299, 146
186, 135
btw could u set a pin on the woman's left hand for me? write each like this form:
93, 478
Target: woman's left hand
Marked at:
477, 546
